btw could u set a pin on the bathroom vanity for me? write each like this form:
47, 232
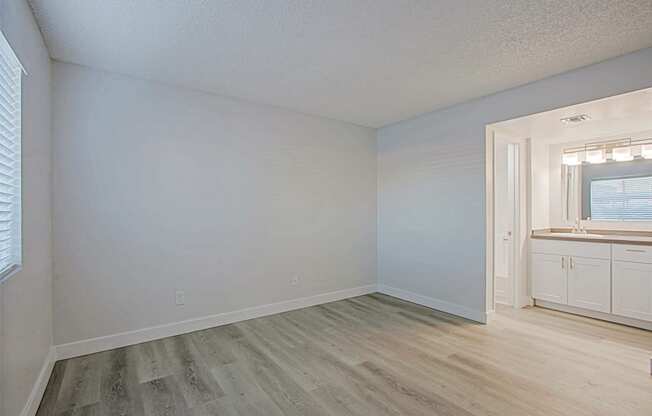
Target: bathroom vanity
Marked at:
605, 275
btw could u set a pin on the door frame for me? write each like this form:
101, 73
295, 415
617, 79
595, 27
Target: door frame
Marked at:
522, 222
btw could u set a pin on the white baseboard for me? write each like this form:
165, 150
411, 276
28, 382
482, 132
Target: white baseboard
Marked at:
35, 396
123, 339
438, 304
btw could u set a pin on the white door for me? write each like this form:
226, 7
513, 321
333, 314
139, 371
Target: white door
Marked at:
549, 277
504, 268
632, 290
504, 217
589, 283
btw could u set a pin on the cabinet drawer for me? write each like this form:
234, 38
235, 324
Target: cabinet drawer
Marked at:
635, 253
571, 248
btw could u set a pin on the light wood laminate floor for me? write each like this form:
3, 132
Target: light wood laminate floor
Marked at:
371, 355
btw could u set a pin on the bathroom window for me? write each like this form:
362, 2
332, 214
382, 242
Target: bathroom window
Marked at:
623, 199
10, 160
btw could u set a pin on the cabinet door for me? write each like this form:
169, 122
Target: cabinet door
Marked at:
589, 283
633, 290
549, 277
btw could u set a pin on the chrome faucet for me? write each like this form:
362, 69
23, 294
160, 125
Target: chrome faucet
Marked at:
578, 227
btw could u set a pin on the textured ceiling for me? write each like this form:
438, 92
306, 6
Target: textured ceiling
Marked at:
370, 62
618, 115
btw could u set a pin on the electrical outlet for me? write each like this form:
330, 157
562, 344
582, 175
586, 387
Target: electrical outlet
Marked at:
294, 281
180, 297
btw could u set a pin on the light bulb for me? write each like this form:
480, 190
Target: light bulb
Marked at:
646, 151
596, 156
622, 154
571, 159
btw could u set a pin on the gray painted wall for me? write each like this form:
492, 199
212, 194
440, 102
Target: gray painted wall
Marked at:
431, 180
27, 296
158, 189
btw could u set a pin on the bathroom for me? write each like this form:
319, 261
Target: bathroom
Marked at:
569, 210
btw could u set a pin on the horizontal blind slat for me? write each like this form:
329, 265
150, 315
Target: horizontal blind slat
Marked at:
9, 64
7, 86
8, 134
8, 110
7, 159
8, 72
4, 119
10, 101
6, 149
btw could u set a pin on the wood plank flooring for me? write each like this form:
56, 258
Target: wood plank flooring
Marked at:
371, 355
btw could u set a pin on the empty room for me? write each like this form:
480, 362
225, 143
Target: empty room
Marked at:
325, 208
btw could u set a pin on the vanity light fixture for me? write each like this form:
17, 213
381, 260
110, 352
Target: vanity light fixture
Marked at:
619, 150
622, 154
571, 159
596, 156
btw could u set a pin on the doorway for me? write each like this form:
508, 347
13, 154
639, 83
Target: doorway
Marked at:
509, 220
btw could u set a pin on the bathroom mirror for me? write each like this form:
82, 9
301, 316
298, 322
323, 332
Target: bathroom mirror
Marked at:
608, 191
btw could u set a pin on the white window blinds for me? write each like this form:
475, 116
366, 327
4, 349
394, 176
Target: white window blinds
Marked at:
625, 199
10, 122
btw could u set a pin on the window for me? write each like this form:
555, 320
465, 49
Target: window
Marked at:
625, 199
10, 172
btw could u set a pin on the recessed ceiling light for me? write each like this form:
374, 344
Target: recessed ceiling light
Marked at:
575, 119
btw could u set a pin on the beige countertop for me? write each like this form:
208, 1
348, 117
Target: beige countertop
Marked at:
596, 236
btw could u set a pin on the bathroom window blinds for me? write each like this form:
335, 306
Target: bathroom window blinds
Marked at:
624, 199
10, 160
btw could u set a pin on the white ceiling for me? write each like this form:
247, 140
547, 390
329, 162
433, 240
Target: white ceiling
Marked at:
370, 62
624, 114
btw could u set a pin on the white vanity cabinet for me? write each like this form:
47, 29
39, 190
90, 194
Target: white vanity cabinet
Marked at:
549, 277
572, 273
605, 280
632, 281
589, 283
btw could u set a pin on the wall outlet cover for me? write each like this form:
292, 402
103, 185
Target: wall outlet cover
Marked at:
180, 297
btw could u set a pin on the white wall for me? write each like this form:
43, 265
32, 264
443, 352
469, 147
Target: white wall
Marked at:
540, 178
27, 296
431, 176
158, 188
